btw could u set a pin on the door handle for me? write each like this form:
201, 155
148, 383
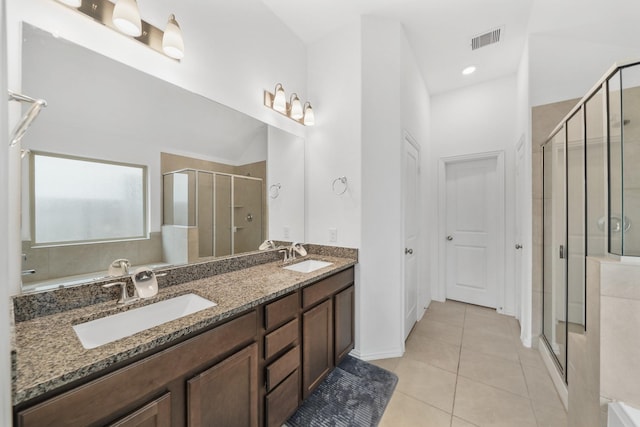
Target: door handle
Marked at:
518, 246
408, 251
449, 238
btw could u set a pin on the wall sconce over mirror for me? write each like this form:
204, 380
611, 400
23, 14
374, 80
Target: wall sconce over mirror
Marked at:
293, 109
124, 16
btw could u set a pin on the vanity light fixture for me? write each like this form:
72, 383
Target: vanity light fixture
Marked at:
124, 17
294, 109
172, 41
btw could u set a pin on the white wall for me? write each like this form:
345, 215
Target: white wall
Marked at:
285, 157
414, 116
368, 89
566, 68
5, 331
478, 119
523, 130
381, 253
333, 144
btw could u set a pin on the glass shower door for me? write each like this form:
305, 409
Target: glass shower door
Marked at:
554, 282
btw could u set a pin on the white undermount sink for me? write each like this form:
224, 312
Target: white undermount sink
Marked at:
111, 328
308, 266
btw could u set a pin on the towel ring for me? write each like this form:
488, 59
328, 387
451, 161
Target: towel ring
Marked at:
274, 190
343, 183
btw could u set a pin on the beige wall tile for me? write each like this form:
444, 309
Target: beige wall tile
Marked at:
620, 349
620, 280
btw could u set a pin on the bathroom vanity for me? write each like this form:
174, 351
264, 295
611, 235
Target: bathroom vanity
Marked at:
249, 361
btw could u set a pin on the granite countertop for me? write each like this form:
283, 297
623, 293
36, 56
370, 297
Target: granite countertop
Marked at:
48, 354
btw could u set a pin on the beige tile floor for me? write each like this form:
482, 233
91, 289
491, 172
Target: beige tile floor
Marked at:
464, 366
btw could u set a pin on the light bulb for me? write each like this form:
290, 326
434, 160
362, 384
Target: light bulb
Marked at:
309, 118
279, 99
126, 17
172, 41
296, 108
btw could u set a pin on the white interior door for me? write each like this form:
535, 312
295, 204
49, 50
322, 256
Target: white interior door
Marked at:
411, 231
472, 211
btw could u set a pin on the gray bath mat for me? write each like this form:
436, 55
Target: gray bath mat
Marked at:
355, 394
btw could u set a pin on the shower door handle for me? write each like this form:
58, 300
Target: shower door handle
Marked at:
561, 251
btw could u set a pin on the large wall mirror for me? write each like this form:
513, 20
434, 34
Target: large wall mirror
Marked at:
217, 183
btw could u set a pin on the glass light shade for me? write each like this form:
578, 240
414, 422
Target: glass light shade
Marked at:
279, 99
126, 17
172, 41
71, 3
296, 108
309, 118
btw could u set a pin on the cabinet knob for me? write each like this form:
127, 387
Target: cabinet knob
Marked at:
408, 251
518, 246
449, 237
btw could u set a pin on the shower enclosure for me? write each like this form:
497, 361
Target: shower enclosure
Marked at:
219, 214
591, 199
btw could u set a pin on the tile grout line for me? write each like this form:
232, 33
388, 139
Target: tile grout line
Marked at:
455, 388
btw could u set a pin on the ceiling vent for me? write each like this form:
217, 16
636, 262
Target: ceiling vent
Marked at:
487, 38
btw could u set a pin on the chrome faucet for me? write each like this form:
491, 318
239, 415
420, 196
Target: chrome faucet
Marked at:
291, 251
297, 248
119, 267
124, 293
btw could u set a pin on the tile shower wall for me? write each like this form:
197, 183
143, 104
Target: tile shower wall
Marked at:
544, 119
61, 261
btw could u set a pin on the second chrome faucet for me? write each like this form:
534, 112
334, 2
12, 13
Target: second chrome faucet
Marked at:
291, 251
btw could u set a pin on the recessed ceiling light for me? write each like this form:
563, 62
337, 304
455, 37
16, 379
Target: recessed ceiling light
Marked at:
469, 70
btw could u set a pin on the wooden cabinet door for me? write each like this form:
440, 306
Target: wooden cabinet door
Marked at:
344, 323
155, 414
226, 395
317, 346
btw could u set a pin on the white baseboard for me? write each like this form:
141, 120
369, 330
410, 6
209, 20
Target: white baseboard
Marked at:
376, 356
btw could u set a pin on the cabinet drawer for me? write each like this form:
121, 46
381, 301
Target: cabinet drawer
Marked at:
280, 338
154, 414
134, 382
278, 312
283, 401
282, 367
329, 286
